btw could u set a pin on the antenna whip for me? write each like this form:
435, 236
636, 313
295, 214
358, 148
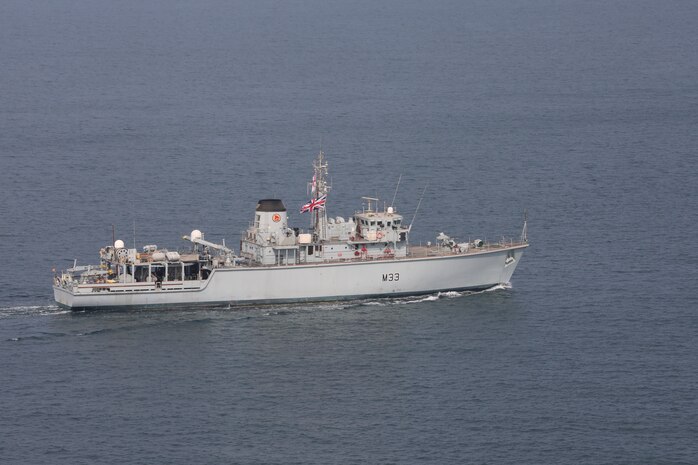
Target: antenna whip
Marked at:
418, 205
392, 204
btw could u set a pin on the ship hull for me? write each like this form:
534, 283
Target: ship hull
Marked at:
317, 282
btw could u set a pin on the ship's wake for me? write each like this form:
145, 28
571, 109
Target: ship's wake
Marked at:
278, 309
23, 310
432, 297
286, 309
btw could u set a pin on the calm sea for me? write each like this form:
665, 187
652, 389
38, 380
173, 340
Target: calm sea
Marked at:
164, 116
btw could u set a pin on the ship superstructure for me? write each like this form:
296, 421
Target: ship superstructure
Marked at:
366, 255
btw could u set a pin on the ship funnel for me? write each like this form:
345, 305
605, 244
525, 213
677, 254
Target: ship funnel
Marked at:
270, 215
270, 205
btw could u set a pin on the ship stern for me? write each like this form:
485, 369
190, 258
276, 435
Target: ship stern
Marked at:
63, 297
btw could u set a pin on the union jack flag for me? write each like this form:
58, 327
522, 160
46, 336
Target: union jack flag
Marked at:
316, 204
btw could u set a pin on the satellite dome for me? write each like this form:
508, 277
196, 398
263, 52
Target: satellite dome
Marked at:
118, 244
196, 234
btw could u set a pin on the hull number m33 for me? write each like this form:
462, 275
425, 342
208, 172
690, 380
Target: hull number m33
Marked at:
391, 277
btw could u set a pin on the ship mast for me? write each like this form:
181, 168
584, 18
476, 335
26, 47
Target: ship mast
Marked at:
321, 188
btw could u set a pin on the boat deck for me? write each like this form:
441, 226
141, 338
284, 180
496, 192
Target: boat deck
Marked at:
417, 251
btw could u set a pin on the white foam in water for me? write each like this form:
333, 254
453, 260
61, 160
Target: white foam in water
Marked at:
498, 287
51, 310
274, 310
423, 299
451, 294
432, 297
32, 309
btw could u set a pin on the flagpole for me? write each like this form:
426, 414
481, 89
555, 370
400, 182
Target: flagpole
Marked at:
319, 189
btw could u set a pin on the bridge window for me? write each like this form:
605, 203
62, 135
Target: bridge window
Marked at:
141, 274
174, 272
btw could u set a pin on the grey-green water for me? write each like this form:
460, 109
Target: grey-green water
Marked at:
178, 115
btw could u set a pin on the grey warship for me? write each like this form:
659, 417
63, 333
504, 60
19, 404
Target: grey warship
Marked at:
365, 256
